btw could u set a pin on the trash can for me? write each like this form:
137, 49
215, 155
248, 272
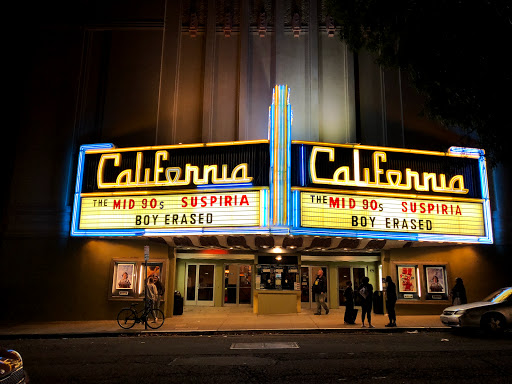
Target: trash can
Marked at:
378, 302
178, 304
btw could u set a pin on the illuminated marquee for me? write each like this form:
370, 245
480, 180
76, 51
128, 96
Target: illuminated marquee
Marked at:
155, 191
375, 213
191, 210
390, 193
280, 186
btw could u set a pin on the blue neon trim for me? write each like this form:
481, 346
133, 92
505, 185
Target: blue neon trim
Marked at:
78, 185
265, 202
466, 151
388, 235
302, 165
289, 161
486, 205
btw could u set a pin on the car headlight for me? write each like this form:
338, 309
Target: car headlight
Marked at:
460, 312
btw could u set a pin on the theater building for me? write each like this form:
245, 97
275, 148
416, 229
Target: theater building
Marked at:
234, 149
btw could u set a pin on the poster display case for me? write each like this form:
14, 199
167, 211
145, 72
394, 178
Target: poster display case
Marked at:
407, 282
436, 282
127, 277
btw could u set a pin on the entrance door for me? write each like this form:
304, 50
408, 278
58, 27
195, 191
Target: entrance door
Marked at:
354, 274
237, 284
200, 283
307, 278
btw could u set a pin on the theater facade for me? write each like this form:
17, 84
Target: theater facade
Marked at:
249, 223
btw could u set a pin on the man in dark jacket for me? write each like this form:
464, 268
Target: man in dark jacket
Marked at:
320, 290
391, 301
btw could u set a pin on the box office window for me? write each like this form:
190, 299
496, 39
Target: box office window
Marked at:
277, 272
277, 277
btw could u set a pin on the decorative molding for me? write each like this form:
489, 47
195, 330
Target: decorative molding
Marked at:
296, 24
329, 24
228, 24
194, 22
262, 24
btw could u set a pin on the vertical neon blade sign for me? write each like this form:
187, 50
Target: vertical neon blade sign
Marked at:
280, 121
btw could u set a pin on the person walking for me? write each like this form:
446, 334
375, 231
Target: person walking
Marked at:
320, 290
391, 301
152, 295
458, 293
349, 304
160, 289
366, 292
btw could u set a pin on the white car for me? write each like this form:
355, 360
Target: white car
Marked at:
494, 313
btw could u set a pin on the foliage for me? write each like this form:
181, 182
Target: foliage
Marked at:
456, 52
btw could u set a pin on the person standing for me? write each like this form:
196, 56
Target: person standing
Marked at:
349, 304
366, 292
151, 295
160, 289
391, 301
458, 293
320, 290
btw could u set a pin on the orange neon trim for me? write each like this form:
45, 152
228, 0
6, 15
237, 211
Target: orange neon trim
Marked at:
389, 149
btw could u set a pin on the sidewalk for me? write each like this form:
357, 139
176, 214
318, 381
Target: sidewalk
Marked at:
223, 320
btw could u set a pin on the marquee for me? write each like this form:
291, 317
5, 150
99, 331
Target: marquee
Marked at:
280, 186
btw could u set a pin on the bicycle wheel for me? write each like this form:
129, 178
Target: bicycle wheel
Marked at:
155, 321
126, 318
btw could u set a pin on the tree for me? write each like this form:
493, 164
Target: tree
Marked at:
456, 54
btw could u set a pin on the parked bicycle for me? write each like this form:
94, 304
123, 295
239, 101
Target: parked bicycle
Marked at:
128, 317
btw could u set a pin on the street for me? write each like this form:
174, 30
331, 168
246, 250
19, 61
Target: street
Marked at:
359, 357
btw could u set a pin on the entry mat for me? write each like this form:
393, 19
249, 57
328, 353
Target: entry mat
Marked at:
275, 345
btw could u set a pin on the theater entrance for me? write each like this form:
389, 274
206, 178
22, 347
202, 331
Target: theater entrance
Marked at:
200, 284
355, 275
237, 284
308, 275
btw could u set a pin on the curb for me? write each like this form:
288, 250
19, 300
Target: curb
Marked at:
234, 332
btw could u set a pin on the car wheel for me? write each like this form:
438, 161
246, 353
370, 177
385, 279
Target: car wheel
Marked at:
493, 322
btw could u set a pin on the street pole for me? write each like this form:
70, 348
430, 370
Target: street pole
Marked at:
146, 301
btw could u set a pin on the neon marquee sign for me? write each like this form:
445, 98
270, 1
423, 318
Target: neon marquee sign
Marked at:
280, 186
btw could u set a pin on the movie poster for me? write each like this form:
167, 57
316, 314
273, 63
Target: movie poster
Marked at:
153, 271
407, 279
435, 280
124, 276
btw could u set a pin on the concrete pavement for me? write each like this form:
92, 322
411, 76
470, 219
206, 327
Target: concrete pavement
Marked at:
223, 320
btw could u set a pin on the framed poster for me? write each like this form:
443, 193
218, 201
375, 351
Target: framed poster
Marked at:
407, 278
154, 271
435, 279
407, 282
124, 276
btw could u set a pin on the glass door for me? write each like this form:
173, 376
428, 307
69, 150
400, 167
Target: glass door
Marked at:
307, 278
200, 284
354, 274
344, 275
237, 284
